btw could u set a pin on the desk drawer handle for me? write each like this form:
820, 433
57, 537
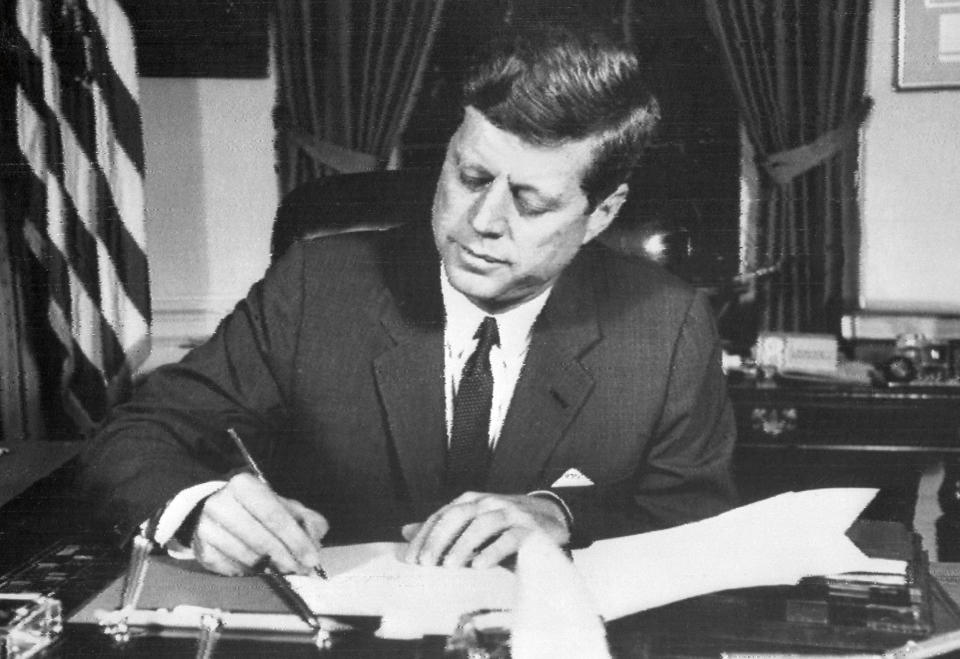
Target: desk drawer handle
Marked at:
772, 421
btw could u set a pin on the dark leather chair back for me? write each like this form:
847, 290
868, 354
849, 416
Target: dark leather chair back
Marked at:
352, 202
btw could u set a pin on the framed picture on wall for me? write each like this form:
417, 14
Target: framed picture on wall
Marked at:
928, 44
200, 38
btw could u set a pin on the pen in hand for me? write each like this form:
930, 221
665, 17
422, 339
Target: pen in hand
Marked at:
252, 464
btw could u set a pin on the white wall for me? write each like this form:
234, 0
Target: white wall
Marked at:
211, 195
910, 186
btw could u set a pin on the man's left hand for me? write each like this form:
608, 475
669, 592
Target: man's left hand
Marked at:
480, 530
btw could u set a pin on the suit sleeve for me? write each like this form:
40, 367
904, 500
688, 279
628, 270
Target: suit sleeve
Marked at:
171, 435
686, 473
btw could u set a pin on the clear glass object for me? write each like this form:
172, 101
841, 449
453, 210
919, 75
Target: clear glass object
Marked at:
483, 634
29, 622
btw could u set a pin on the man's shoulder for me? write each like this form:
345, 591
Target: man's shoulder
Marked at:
400, 264
373, 253
633, 277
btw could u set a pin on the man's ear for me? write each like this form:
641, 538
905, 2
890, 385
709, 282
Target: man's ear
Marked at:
605, 212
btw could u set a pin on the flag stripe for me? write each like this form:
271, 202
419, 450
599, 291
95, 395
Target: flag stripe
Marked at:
91, 401
124, 250
69, 253
78, 113
122, 108
79, 131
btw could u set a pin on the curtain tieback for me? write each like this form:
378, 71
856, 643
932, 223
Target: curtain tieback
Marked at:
344, 160
784, 166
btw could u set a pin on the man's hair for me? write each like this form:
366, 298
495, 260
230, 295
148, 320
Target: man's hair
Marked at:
551, 85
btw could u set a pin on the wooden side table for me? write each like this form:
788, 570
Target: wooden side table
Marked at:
804, 436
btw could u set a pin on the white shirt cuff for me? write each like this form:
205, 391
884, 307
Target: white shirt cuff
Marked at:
176, 512
567, 515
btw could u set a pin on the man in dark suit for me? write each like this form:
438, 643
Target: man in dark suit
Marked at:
469, 380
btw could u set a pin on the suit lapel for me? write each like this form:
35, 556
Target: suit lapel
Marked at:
553, 384
410, 374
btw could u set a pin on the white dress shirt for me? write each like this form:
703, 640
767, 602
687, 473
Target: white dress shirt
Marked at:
463, 318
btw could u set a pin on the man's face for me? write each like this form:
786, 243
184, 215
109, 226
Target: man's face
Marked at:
508, 216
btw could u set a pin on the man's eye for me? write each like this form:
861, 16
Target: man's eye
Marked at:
472, 181
528, 209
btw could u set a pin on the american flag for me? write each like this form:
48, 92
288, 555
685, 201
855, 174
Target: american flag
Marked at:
80, 139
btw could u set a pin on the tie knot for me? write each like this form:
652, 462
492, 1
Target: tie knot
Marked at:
487, 334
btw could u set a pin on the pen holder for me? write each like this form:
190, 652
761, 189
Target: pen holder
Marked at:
482, 634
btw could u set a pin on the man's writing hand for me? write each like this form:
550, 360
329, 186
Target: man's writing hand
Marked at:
246, 520
481, 530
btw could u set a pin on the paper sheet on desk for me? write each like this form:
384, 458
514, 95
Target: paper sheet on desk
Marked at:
776, 541
413, 600
771, 542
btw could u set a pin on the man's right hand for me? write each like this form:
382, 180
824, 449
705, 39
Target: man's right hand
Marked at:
246, 520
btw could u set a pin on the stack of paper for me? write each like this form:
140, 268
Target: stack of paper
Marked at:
413, 600
777, 541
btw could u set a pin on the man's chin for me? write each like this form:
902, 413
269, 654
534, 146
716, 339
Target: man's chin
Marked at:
478, 288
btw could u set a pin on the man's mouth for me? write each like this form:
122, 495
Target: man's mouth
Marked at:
481, 256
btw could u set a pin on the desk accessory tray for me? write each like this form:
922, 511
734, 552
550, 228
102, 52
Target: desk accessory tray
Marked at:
820, 614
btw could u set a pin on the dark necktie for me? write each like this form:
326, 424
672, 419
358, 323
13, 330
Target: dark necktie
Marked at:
468, 457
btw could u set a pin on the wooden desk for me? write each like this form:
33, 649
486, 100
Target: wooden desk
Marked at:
49, 511
24, 463
800, 437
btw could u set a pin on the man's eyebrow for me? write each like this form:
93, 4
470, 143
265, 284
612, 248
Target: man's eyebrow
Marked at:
462, 160
549, 201
543, 198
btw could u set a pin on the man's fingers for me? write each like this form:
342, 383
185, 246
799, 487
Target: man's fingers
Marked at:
442, 534
271, 512
422, 531
443, 528
213, 542
313, 523
503, 547
409, 531
483, 529
211, 558
412, 554
227, 515
249, 510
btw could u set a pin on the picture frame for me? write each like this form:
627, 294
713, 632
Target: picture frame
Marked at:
928, 45
200, 38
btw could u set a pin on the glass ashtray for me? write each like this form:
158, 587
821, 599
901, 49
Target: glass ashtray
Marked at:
482, 634
29, 622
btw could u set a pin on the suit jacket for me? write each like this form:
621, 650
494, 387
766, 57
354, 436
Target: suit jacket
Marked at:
332, 370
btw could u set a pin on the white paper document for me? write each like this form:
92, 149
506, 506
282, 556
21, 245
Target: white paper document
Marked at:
777, 541
413, 600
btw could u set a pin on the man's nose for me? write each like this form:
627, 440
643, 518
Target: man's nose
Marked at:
489, 213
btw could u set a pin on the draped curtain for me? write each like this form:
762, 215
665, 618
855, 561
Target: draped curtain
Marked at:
349, 75
798, 71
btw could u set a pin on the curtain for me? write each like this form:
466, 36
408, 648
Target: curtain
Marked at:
73, 215
349, 75
798, 71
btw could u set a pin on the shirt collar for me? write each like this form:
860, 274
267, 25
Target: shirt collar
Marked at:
463, 318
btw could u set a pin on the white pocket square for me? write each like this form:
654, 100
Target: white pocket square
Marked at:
572, 478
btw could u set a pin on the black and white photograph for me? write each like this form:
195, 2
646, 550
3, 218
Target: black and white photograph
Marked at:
480, 329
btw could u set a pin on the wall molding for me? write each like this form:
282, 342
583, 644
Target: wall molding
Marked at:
180, 323
189, 316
